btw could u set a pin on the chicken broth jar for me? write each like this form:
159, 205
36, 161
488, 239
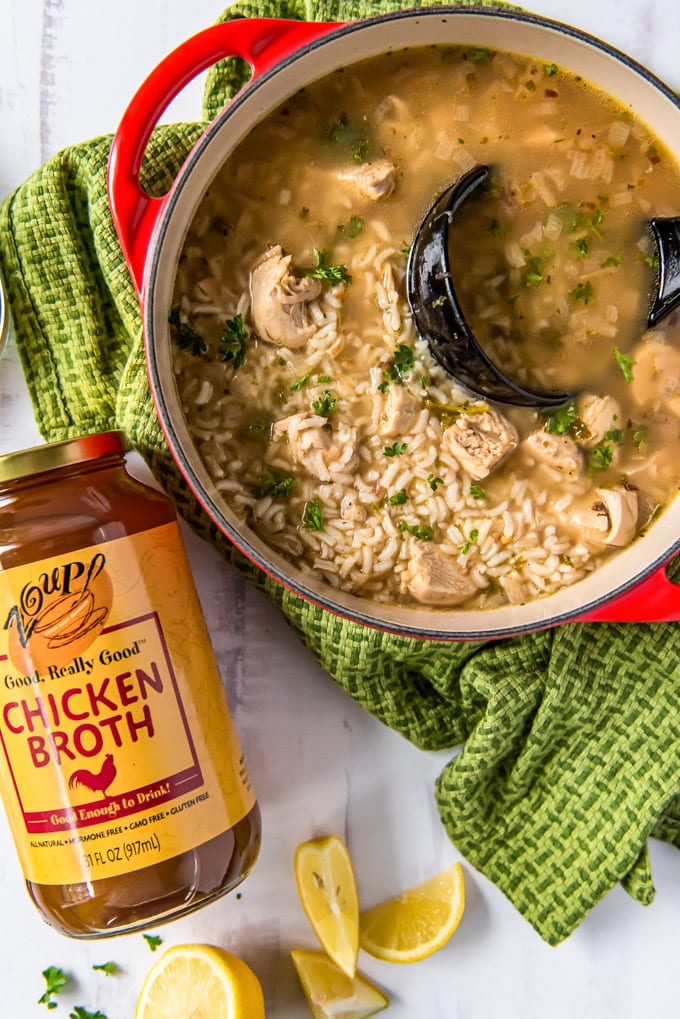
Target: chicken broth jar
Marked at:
121, 771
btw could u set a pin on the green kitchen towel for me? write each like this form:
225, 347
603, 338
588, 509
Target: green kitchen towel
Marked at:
570, 739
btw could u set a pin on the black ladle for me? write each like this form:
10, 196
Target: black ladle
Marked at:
439, 317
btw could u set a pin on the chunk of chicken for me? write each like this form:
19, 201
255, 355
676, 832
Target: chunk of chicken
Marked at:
610, 518
434, 578
480, 442
558, 451
280, 300
400, 411
351, 508
656, 377
372, 180
322, 451
600, 414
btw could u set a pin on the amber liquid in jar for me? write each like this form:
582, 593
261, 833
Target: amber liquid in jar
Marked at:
88, 502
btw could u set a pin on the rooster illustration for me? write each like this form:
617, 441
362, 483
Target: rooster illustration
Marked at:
97, 781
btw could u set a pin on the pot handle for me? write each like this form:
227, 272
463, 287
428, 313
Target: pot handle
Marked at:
262, 42
656, 599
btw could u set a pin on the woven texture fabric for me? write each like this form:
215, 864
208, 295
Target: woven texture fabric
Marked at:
569, 739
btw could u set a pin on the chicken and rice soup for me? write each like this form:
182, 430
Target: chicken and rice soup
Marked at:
325, 422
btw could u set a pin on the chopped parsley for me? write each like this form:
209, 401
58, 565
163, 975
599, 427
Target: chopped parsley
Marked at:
80, 1012
600, 458
355, 226
185, 335
433, 482
583, 291
533, 273
476, 492
625, 363
304, 213
233, 341
153, 941
396, 449
496, 229
398, 499
479, 55
312, 517
275, 483
383, 387
325, 405
324, 378
550, 70
562, 420
423, 531
448, 412
402, 363
300, 383
640, 433
472, 540
343, 134
612, 260
109, 968
325, 272
55, 979
582, 246
652, 261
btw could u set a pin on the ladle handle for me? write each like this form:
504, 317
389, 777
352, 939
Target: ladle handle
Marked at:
667, 235
656, 599
262, 42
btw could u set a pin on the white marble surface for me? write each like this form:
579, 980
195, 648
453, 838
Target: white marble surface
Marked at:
318, 762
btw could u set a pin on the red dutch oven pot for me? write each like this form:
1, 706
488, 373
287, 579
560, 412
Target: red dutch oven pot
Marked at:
284, 56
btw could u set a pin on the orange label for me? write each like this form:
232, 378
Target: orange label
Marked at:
118, 749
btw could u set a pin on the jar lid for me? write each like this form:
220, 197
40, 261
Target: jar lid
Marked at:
52, 455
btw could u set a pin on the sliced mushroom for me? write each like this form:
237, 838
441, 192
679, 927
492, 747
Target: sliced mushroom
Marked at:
433, 578
609, 519
480, 442
400, 411
371, 180
558, 451
600, 415
322, 451
280, 300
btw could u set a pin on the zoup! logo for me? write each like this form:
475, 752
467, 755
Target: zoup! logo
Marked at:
59, 614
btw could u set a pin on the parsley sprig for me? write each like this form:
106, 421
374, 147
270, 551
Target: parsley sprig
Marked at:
185, 335
325, 272
395, 449
425, 532
625, 363
55, 979
312, 517
80, 1012
276, 483
233, 341
325, 405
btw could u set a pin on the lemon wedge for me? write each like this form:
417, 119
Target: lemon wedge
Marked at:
331, 993
416, 923
327, 889
200, 982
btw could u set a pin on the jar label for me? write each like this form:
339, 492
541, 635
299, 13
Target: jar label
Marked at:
118, 748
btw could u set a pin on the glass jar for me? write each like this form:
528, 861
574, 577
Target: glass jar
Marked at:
121, 772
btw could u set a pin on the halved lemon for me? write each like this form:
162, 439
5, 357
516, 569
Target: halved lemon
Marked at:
416, 923
200, 982
328, 893
331, 993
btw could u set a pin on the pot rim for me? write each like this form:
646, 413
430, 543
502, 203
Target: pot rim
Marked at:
355, 608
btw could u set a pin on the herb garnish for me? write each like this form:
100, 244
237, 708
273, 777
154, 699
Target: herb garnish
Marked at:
564, 420
479, 55
341, 132
402, 362
185, 335
55, 978
355, 226
476, 492
109, 968
582, 246
472, 540
434, 482
80, 1012
583, 291
550, 70
396, 449
275, 483
300, 383
325, 272
612, 260
600, 458
153, 941
448, 412
640, 437
398, 499
312, 517
325, 405
233, 341
625, 363
532, 273
496, 229
423, 531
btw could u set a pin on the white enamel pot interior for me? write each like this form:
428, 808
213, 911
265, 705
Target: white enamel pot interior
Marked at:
631, 586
